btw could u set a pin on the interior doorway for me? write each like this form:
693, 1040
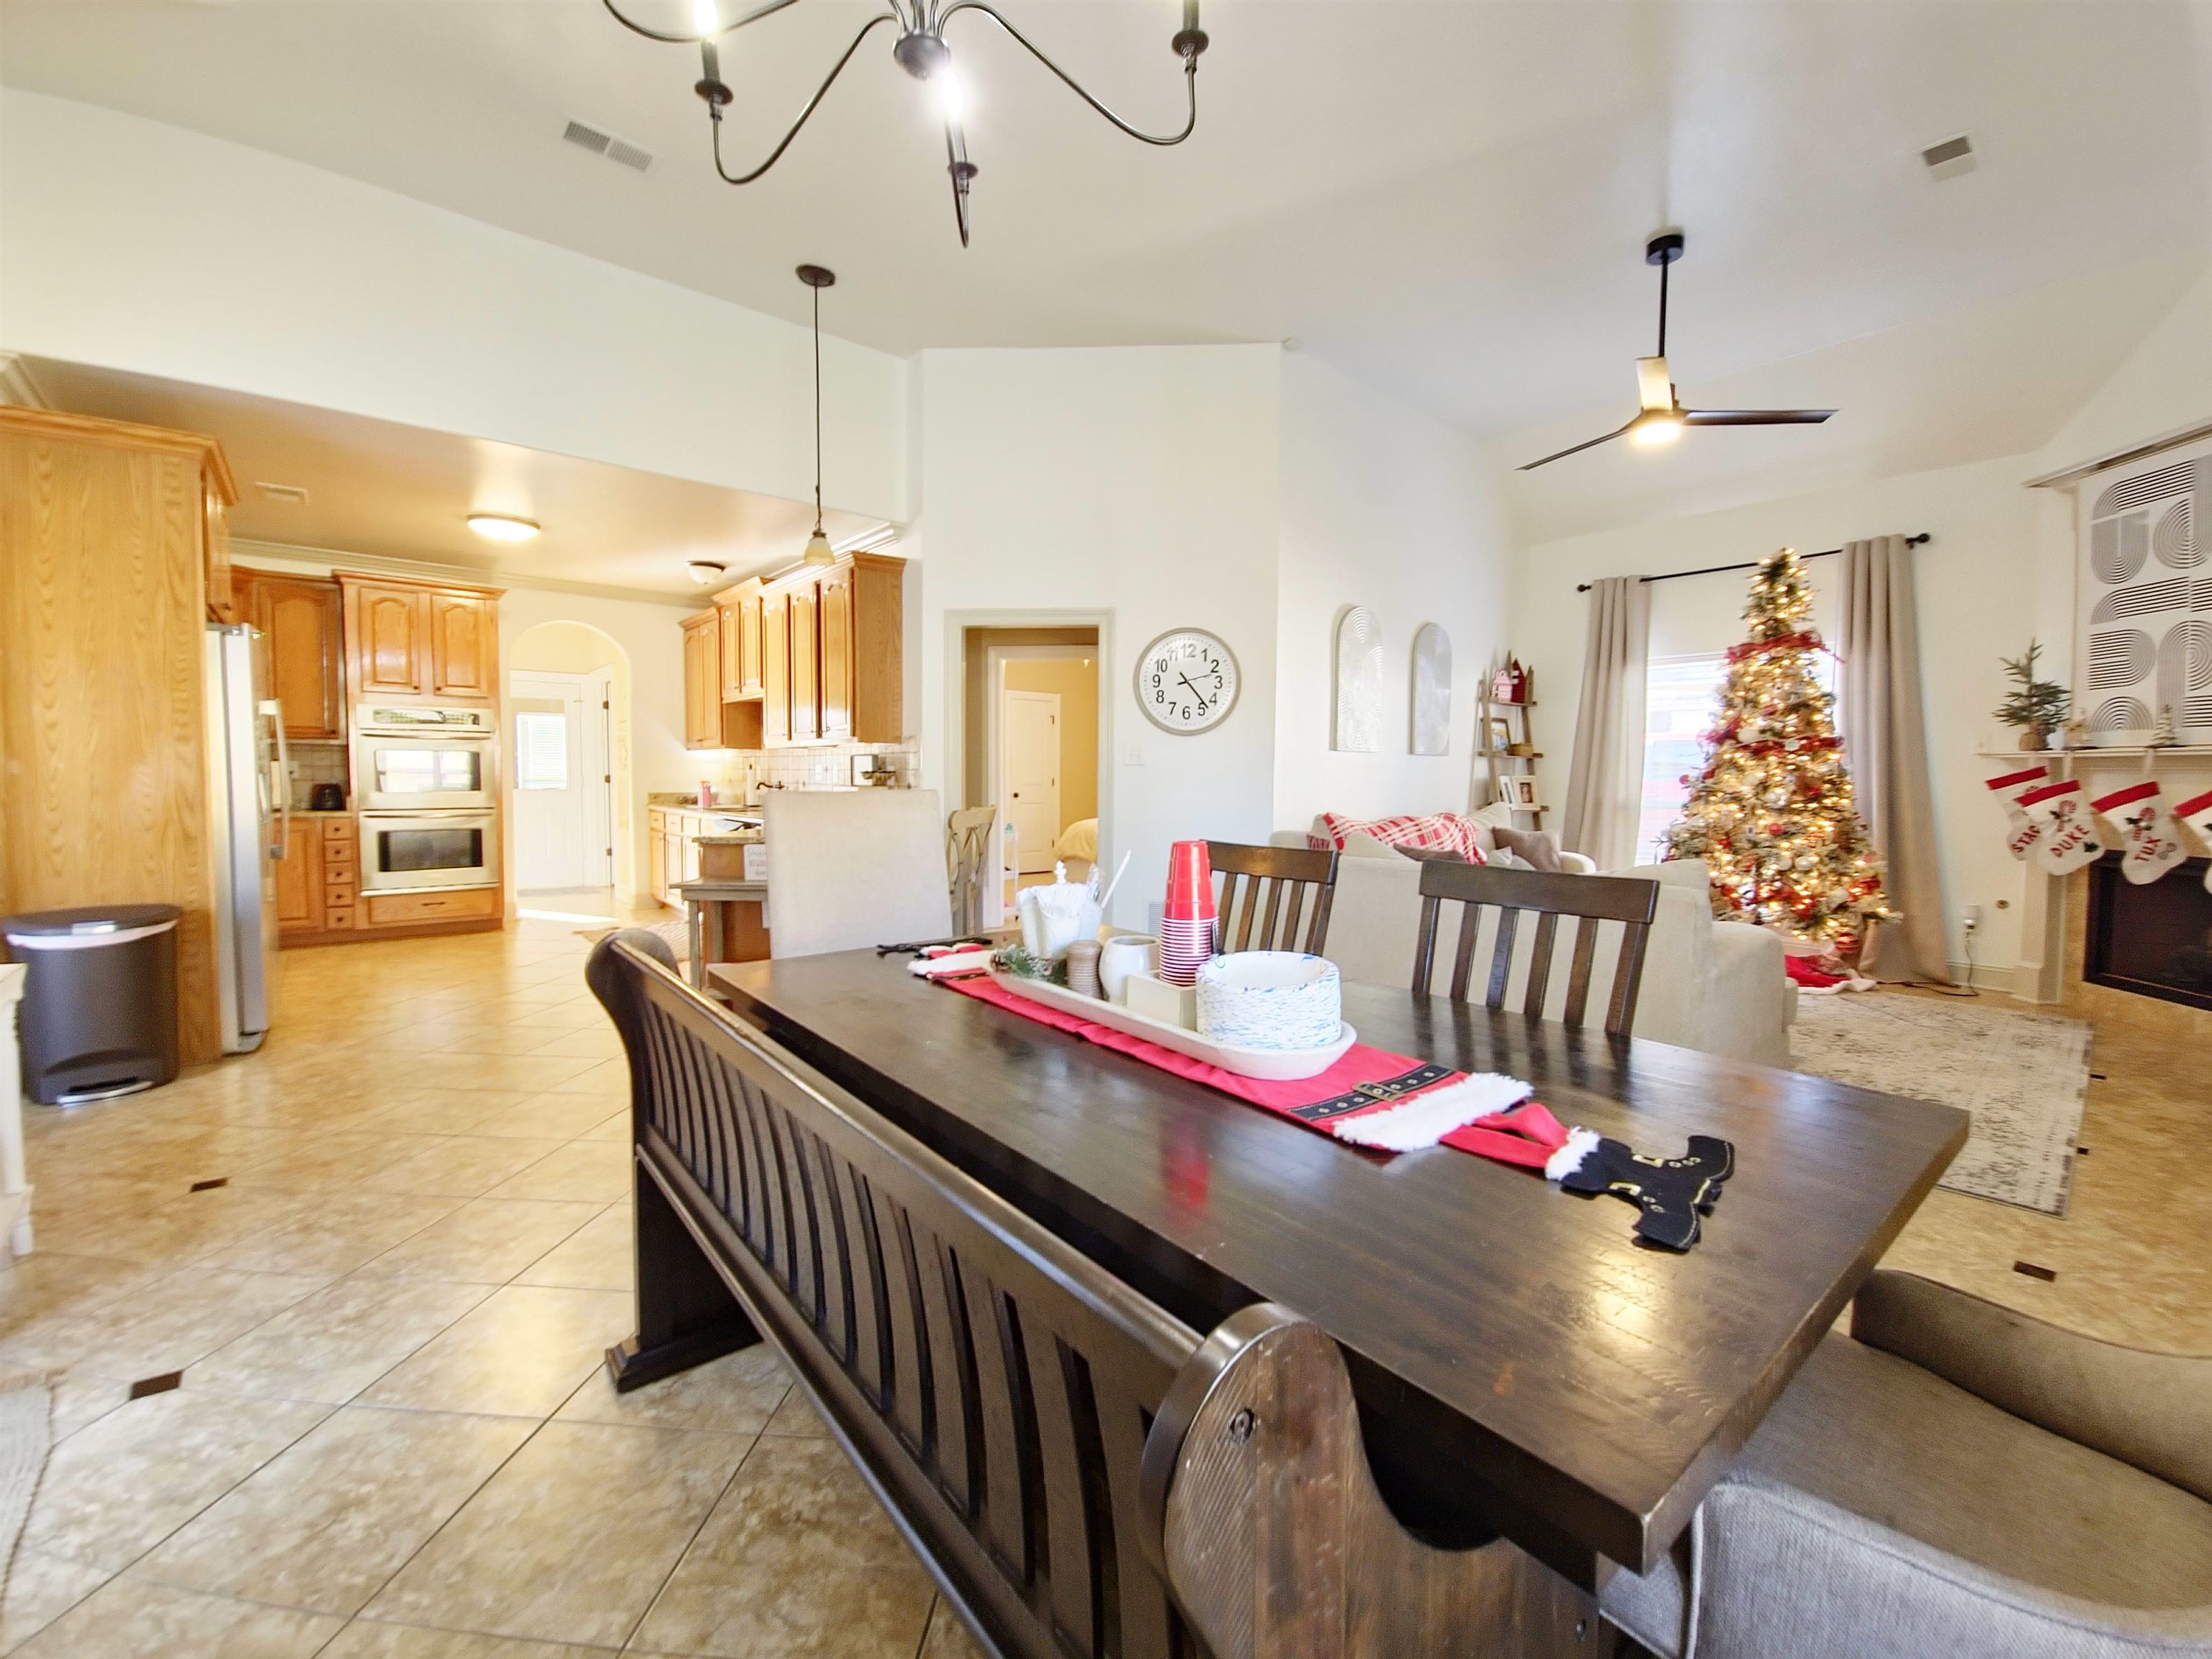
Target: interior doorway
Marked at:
563, 781
1028, 775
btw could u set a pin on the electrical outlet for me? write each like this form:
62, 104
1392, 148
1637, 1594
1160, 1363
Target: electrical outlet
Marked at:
1134, 755
1971, 918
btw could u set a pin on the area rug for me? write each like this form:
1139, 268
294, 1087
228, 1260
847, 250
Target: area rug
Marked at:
2022, 1076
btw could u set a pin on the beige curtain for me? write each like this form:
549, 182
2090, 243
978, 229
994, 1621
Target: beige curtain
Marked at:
1605, 786
1886, 746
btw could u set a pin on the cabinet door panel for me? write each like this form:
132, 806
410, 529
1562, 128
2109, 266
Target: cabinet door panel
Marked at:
214, 527
833, 626
731, 625
464, 648
300, 880
775, 670
748, 646
300, 622
389, 640
805, 683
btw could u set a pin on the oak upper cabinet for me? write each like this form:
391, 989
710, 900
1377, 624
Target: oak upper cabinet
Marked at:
833, 621
776, 668
387, 631
214, 527
300, 879
463, 640
702, 681
302, 625
740, 611
805, 676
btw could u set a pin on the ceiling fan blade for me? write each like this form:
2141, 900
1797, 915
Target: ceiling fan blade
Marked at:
1576, 450
1654, 390
1755, 416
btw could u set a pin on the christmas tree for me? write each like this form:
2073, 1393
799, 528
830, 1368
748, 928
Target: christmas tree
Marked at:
1772, 814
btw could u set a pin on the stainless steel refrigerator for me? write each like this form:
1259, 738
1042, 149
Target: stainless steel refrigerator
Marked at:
250, 798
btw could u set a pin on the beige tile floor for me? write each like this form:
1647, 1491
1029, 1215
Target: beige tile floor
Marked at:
393, 1438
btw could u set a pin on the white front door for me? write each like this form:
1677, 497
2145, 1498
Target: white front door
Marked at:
1031, 729
560, 793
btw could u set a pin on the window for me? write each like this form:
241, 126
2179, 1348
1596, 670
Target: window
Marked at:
541, 751
1681, 697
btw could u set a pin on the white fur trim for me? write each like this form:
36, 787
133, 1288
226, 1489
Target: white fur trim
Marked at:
1428, 1117
1581, 1143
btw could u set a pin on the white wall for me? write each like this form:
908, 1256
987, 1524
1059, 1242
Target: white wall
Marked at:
134, 245
1998, 571
2164, 386
1383, 506
1135, 486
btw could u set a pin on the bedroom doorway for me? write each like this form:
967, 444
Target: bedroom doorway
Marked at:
1032, 747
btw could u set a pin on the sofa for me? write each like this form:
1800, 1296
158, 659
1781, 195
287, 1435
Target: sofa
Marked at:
1714, 986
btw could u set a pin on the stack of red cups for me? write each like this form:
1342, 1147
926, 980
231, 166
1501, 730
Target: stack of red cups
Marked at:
1186, 926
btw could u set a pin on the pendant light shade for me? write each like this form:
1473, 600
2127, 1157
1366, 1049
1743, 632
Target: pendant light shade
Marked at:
818, 551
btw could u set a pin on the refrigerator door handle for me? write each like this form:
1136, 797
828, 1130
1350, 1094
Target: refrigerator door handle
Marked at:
279, 785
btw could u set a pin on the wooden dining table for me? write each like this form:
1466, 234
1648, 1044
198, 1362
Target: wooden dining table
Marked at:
1524, 1366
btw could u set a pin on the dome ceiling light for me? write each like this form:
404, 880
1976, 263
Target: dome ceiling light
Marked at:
501, 527
921, 51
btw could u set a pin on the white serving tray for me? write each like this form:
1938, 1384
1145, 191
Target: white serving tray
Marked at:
1266, 1065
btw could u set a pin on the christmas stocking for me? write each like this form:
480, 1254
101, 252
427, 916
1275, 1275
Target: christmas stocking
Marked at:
2020, 830
2196, 813
2067, 838
2150, 842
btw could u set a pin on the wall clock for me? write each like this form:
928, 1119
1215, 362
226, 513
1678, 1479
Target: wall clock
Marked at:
1186, 681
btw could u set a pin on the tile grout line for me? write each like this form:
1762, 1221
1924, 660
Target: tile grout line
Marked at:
706, 1515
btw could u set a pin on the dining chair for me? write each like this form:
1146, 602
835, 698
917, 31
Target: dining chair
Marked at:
1589, 899
968, 848
854, 867
1268, 876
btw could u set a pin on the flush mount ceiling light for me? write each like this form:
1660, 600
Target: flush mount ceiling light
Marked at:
501, 527
704, 571
1661, 417
921, 51
817, 277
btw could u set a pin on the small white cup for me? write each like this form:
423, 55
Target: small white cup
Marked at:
1121, 955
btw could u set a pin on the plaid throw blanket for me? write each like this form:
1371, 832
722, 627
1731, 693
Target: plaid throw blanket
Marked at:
1443, 832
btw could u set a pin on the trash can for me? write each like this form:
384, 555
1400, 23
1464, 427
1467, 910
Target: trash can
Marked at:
100, 999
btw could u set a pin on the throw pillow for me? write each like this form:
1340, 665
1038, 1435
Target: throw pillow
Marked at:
1535, 847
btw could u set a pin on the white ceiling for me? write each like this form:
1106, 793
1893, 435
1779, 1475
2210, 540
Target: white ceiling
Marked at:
400, 492
1445, 199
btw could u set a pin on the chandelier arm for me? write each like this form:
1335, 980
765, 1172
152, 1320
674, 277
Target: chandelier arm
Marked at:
752, 16
1189, 71
775, 155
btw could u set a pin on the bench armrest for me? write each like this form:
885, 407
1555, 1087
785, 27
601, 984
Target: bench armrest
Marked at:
2151, 1410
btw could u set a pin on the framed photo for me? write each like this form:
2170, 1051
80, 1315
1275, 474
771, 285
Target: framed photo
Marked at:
1521, 789
1500, 735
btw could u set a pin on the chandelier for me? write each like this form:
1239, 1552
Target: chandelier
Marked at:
921, 51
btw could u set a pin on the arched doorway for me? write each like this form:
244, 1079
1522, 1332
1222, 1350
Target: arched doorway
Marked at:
569, 739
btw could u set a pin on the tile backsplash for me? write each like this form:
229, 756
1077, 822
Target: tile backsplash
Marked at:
807, 768
313, 763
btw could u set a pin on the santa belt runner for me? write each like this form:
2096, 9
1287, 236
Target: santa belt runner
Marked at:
1394, 1103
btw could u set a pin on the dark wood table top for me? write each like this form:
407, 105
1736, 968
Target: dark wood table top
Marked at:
1521, 1360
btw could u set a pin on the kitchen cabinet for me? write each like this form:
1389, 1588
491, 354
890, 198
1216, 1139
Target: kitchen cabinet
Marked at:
832, 655
656, 852
421, 642
833, 622
302, 625
300, 880
776, 668
214, 533
805, 682
708, 722
740, 610
341, 873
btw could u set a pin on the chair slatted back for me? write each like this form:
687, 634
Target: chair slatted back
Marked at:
995, 1382
1590, 899
968, 848
1272, 885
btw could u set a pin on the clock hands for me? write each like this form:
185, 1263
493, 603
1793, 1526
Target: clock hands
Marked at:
1194, 691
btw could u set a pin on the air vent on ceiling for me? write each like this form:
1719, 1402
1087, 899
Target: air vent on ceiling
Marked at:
586, 137
290, 495
1949, 159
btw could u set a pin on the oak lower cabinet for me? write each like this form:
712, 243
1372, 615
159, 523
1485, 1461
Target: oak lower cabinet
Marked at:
421, 642
301, 619
300, 881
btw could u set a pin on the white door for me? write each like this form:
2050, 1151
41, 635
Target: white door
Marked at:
560, 790
1029, 727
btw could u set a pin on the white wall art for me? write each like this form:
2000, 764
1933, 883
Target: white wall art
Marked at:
1433, 687
2146, 645
1358, 682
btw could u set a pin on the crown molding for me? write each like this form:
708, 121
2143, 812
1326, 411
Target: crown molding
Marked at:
16, 385
2067, 478
323, 560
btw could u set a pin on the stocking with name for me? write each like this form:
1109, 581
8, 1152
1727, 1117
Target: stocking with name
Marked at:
2069, 838
2149, 840
2196, 813
2021, 831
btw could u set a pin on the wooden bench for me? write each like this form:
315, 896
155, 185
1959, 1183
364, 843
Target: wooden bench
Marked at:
1085, 1476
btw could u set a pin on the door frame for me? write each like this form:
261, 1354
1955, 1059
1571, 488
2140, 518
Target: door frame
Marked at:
594, 763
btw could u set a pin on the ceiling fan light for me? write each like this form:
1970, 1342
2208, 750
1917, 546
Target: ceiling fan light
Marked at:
1655, 427
1654, 390
501, 527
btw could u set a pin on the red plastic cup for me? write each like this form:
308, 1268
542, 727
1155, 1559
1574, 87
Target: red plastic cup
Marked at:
1190, 882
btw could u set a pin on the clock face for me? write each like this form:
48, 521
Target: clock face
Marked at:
1186, 681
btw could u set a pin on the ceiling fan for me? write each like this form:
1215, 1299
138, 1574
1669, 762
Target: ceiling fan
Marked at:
1662, 418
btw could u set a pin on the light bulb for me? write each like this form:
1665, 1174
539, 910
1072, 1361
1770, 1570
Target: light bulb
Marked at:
1655, 427
951, 93
705, 18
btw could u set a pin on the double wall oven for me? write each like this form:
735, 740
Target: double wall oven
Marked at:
426, 781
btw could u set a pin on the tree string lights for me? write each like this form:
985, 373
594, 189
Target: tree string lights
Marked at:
1772, 814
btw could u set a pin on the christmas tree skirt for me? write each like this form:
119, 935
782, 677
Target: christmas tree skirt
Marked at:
2023, 1079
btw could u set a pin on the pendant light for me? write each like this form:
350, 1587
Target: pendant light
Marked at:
818, 551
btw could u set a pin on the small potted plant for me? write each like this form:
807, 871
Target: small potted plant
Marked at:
2038, 707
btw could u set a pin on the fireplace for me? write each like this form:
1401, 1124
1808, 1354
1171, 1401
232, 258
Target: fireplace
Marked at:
2155, 939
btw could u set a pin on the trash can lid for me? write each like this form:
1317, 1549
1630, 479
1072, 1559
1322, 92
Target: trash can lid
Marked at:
92, 920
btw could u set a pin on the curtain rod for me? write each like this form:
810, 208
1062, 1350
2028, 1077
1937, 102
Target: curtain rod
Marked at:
1752, 564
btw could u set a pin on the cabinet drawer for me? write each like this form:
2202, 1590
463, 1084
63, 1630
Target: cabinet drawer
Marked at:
339, 853
338, 891
337, 921
389, 910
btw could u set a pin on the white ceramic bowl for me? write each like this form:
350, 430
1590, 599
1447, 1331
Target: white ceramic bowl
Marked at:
1279, 999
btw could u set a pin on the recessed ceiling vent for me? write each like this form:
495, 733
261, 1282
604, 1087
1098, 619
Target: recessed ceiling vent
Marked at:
586, 137
1949, 159
290, 495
